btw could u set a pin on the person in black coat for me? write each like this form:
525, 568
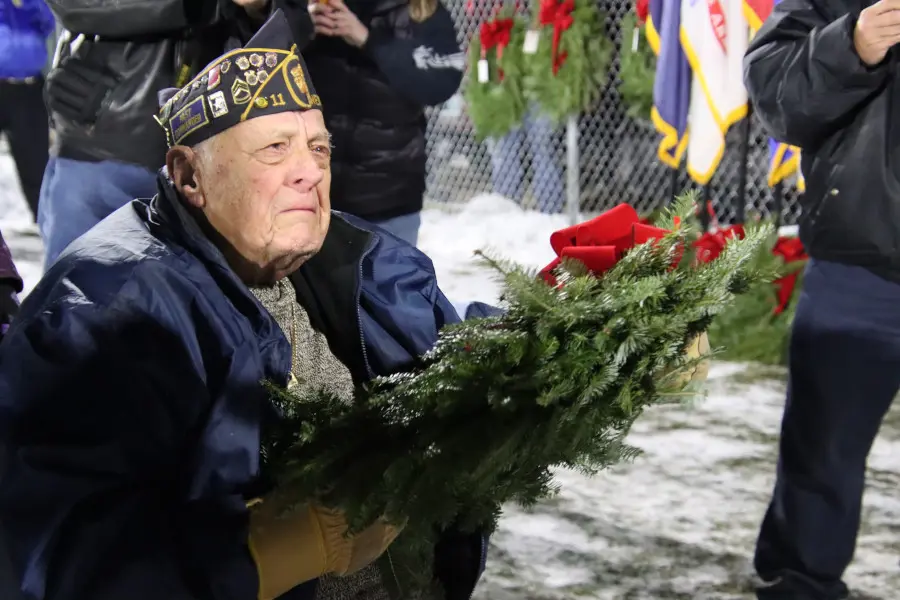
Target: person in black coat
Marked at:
822, 75
377, 64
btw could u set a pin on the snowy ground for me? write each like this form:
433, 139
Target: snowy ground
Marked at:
679, 522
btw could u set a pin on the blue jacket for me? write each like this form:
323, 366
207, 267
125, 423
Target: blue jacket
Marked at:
25, 26
131, 405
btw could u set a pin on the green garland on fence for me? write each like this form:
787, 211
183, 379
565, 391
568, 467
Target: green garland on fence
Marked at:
637, 70
583, 72
498, 105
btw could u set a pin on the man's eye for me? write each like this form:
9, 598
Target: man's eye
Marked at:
277, 147
322, 149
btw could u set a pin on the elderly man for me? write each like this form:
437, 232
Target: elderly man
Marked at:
130, 389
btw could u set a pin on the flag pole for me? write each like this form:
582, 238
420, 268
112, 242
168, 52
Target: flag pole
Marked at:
573, 189
741, 197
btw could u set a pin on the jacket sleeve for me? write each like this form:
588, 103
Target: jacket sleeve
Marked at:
117, 19
98, 410
39, 15
427, 67
803, 74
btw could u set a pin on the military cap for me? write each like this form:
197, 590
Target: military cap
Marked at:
265, 77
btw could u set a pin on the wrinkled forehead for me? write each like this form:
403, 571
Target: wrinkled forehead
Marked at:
306, 125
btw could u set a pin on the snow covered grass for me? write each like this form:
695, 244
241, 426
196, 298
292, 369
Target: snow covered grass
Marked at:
680, 521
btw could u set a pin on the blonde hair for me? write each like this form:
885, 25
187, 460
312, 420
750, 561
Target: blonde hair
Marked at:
419, 10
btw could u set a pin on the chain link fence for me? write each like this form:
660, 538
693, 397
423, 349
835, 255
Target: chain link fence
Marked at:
618, 161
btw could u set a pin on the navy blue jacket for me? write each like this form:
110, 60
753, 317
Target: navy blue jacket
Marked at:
131, 405
25, 26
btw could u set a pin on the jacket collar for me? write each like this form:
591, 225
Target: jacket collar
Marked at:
186, 232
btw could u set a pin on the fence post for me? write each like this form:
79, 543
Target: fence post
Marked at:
573, 179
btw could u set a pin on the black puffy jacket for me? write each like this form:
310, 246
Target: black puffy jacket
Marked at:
810, 89
374, 100
148, 45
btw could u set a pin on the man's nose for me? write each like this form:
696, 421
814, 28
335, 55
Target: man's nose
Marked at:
307, 173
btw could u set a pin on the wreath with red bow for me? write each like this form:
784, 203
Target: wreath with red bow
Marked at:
637, 65
757, 326
570, 66
496, 103
556, 380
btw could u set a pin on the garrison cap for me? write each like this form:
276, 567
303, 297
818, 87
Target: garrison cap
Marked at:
265, 77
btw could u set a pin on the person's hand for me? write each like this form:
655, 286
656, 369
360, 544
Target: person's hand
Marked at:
78, 88
698, 348
335, 19
877, 29
293, 543
254, 8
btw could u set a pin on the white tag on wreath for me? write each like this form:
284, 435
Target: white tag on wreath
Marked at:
532, 39
483, 75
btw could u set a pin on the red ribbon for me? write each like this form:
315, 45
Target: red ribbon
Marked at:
790, 249
601, 242
496, 34
559, 14
710, 245
642, 10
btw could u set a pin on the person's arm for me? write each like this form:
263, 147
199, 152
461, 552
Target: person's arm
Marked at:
249, 15
117, 19
428, 67
803, 74
101, 414
97, 406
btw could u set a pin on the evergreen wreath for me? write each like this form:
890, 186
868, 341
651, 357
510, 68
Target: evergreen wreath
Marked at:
496, 105
556, 381
570, 65
637, 69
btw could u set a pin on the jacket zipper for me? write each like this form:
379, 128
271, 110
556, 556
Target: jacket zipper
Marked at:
362, 341
359, 323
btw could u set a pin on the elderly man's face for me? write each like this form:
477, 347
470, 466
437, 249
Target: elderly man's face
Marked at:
263, 185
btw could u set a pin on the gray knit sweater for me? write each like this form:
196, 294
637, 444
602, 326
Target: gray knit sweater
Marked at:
313, 364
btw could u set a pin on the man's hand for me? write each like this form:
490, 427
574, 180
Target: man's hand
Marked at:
877, 29
333, 18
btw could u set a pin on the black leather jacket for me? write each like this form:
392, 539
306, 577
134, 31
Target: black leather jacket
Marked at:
810, 89
147, 45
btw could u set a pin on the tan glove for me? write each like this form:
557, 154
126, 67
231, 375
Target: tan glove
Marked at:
307, 543
698, 373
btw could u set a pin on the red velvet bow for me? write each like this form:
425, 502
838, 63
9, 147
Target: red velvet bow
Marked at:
496, 33
601, 242
642, 10
559, 14
710, 245
791, 250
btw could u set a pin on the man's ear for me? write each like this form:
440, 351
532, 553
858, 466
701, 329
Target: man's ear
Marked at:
182, 164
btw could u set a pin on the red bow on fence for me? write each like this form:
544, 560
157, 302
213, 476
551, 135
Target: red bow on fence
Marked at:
496, 33
642, 10
601, 242
791, 250
559, 14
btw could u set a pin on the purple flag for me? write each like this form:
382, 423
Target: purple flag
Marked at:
672, 86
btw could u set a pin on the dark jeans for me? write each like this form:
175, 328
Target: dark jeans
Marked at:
23, 118
76, 195
844, 373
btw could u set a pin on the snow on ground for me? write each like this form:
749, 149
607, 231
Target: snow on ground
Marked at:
677, 523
